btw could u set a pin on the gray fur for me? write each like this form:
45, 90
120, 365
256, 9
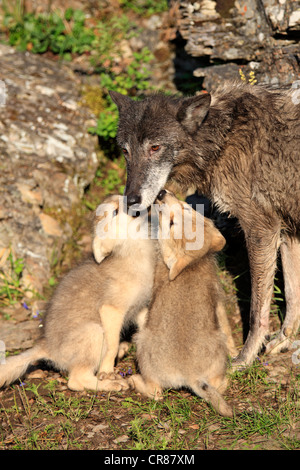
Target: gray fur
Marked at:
80, 336
183, 342
240, 147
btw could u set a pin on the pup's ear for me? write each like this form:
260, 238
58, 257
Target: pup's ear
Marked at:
100, 249
215, 238
177, 265
214, 242
218, 241
104, 231
120, 100
193, 111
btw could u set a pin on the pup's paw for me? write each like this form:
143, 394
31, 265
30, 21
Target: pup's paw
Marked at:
131, 383
112, 385
121, 384
108, 376
123, 349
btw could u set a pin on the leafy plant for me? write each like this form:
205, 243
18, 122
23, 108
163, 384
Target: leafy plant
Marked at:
134, 78
68, 34
109, 33
145, 7
10, 281
251, 77
63, 35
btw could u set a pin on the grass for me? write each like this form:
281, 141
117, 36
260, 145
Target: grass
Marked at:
11, 269
43, 414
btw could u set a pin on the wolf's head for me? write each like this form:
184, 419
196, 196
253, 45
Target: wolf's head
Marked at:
156, 135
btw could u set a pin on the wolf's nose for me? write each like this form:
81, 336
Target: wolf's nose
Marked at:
133, 199
161, 194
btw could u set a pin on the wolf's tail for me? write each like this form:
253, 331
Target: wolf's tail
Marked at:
211, 395
16, 366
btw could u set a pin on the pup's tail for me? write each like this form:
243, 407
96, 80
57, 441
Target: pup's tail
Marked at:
15, 367
211, 395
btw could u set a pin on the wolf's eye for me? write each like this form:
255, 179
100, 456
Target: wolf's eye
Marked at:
125, 151
155, 148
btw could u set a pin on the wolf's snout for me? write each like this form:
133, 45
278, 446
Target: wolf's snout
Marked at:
161, 194
133, 199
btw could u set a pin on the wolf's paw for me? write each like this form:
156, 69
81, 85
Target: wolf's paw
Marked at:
237, 365
279, 343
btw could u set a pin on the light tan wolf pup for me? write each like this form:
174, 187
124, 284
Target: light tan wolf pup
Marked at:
181, 343
91, 305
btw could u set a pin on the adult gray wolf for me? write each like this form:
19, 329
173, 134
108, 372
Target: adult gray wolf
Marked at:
92, 303
240, 147
181, 343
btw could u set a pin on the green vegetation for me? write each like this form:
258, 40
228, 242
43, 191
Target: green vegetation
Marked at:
11, 290
145, 7
72, 34
135, 78
61, 35
44, 414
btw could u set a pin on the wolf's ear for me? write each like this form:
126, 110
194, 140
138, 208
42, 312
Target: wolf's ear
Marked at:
193, 111
120, 100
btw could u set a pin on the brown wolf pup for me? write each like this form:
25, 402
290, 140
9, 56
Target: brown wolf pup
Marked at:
181, 343
240, 147
91, 305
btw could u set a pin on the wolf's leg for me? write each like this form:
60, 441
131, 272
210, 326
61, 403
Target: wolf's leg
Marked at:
262, 243
290, 256
112, 321
145, 387
82, 378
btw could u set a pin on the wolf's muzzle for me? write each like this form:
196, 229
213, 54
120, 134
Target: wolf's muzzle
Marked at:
133, 199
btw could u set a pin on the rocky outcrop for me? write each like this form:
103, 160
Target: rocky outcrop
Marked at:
47, 158
262, 36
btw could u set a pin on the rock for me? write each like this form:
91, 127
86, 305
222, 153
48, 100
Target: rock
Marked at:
121, 439
47, 158
50, 225
242, 32
20, 335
